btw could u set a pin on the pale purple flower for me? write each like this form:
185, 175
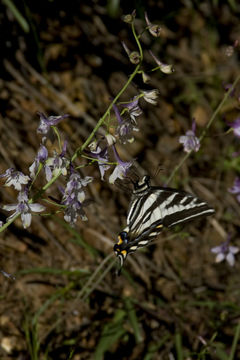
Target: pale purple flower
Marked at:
15, 178
74, 196
56, 164
47, 121
125, 127
24, 208
1, 223
235, 189
40, 158
190, 141
121, 168
235, 125
101, 156
225, 252
133, 108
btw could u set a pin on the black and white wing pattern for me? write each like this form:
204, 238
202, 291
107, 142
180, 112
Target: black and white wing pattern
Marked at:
152, 208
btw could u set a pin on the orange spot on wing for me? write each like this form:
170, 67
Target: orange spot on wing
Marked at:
124, 253
119, 240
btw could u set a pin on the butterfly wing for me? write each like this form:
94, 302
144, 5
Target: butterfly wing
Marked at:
161, 207
153, 208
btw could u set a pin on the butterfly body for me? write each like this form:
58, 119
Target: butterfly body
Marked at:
151, 209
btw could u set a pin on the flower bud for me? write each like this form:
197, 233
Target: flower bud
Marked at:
134, 57
155, 30
165, 68
146, 78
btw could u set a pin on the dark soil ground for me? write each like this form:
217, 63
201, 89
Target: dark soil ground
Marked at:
172, 301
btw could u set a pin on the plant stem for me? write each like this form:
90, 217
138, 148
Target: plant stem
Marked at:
100, 122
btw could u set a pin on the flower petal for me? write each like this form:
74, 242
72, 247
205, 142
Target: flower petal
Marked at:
37, 207
230, 259
26, 219
220, 257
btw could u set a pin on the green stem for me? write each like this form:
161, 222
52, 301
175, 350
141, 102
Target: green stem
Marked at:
213, 117
9, 222
100, 122
235, 342
138, 42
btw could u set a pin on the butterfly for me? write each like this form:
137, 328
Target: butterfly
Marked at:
151, 209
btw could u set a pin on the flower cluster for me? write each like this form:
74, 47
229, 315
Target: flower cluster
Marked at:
54, 166
74, 197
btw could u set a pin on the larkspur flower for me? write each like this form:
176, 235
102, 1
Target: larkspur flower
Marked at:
134, 56
190, 141
133, 108
121, 168
165, 68
47, 121
15, 178
40, 158
235, 189
74, 197
155, 30
24, 208
225, 252
150, 96
57, 163
101, 155
125, 127
235, 125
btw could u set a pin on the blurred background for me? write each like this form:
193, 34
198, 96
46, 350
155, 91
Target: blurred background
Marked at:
171, 301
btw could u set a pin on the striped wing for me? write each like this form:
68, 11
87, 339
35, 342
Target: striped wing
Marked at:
153, 208
161, 207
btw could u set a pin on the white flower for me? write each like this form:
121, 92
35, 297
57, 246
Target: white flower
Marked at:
151, 96
24, 208
15, 178
121, 168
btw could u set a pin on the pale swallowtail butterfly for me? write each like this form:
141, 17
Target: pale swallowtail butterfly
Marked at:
151, 209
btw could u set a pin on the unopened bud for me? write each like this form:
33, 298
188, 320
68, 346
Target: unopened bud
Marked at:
165, 68
128, 18
134, 57
154, 29
146, 78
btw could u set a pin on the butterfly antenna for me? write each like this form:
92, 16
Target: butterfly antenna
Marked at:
159, 168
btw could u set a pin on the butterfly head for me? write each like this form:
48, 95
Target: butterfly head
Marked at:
120, 247
142, 184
